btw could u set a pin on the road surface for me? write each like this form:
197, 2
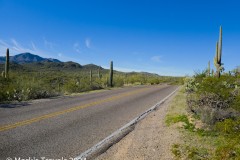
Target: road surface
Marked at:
65, 127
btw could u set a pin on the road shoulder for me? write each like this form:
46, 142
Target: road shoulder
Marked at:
151, 138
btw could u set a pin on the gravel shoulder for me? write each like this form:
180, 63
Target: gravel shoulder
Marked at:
151, 139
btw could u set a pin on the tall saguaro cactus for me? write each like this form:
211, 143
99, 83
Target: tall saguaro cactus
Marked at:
91, 77
218, 57
7, 64
99, 75
111, 74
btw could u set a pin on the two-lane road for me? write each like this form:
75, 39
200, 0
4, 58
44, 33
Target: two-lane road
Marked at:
65, 127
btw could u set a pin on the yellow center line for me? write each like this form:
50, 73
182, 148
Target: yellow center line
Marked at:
54, 114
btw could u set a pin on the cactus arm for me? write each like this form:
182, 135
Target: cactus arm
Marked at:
220, 46
216, 57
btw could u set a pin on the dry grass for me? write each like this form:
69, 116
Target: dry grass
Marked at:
193, 145
199, 141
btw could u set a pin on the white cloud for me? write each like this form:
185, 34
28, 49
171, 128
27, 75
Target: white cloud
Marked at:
156, 58
34, 46
76, 47
3, 47
88, 43
3, 43
48, 44
2, 51
76, 44
123, 69
15, 48
18, 48
126, 69
59, 54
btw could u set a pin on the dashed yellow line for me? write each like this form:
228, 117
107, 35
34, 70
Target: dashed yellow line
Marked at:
54, 114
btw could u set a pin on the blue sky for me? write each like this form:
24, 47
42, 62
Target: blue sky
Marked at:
171, 37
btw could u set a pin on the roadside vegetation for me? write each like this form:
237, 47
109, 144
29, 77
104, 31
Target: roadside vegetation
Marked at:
207, 111
208, 114
48, 79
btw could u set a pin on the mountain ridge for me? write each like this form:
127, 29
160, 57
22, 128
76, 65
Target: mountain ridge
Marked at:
27, 57
30, 62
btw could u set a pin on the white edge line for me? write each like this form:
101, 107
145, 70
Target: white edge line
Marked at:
87, 153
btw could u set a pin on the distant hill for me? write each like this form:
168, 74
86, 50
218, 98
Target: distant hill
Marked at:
46, 65
31, 62
28, 62
91, 66
27, 58
2, 59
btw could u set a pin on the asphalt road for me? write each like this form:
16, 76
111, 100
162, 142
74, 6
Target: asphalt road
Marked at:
67, 126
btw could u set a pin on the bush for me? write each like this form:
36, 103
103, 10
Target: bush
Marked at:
190, 85
227, 152
118, 82
228, 126
213, 99
222, 87
28, 84
180, 118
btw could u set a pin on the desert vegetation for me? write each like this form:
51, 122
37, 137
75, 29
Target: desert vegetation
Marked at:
208, 114
211, 117
36, 80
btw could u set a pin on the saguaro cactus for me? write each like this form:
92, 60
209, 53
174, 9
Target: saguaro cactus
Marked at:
209, 69
91, 77
7, 64
3, 74
218, 57
99, 75
111, 74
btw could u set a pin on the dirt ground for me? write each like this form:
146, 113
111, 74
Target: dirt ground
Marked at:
151, 139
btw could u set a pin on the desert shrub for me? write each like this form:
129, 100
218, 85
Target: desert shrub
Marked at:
216, 101
213, 99
220, 86
181, 151
73, 86
47, 81
3, 85
228, 126
190, 84
19, 90
200, 74
228, 146
175, 149
118, 82
236, 102
179, 118
153, 80
227, 152
210, 107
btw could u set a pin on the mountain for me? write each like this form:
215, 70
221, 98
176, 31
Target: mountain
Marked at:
28, 62
31, 62
27, 58
92, 66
